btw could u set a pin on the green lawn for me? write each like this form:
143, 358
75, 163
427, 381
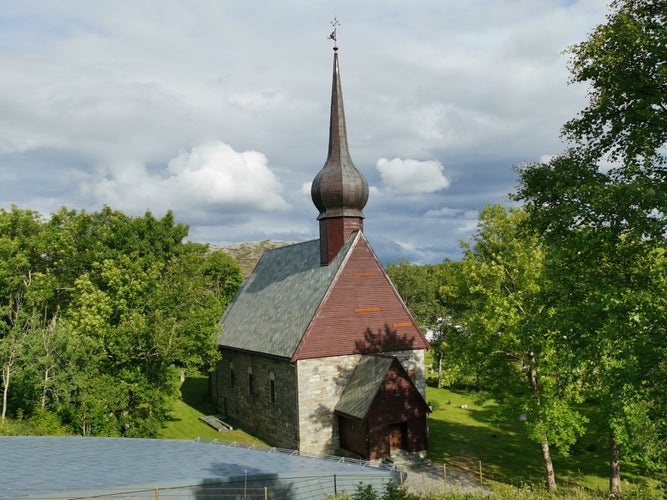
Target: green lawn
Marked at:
462, 438
459, 438
194, 403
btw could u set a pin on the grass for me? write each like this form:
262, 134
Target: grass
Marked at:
460, 438
464, 437
184, 422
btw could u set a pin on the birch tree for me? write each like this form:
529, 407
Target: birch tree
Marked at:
602, 208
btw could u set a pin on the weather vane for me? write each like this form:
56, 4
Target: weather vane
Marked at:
332, 36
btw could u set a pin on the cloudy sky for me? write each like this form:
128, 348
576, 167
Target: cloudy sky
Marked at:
218, 109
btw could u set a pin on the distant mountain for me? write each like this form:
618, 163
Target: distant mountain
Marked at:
248, 253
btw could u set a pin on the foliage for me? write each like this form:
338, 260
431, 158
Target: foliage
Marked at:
509, 336
601, 206
462, 437
391, 491
100, 314
418, 286
420, 289
624, 62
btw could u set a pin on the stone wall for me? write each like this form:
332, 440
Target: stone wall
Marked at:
275, 422
321, 382
315, 385
413, 360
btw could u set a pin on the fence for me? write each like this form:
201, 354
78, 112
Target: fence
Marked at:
293, 478
287, 487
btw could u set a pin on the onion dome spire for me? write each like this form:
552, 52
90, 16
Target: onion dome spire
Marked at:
339, 191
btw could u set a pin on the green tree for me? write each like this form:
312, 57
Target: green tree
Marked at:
508, 332
152, 312
24, 290
602, 207
100, 312
624, 62
419, 287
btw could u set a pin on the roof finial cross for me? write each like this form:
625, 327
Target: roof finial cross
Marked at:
332, 36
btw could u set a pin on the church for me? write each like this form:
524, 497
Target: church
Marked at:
318, 351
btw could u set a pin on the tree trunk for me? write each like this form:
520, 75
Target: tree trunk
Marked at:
6, 372
548, 465
546, 452
44, 387
614, 467
439, 372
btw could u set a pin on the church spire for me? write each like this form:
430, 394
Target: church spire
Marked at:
339, 190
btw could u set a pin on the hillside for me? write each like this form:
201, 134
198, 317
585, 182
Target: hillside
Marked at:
248, 253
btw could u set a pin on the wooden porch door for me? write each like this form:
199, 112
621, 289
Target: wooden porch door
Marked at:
398, 436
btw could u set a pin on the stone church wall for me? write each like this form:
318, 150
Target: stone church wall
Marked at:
413, 360
275, 421
321, 384
315, 385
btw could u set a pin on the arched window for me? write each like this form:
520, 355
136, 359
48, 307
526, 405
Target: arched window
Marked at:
272, 387
232, 375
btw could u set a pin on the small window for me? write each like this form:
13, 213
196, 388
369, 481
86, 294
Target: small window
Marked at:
251, 382
272, 388
232, 376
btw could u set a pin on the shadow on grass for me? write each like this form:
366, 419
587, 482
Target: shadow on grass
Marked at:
465, 431
194, 393
505, 456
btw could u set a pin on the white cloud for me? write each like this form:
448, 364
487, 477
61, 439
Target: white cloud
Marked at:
221, 175
256, 100
412, 176
443, 212
94, 103
210, 176
374, 192
453, 213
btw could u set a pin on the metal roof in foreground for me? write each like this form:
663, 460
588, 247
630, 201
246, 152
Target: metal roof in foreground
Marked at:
119, 468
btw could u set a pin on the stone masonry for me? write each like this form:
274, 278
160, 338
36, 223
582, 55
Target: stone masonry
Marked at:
321, 382
274, 422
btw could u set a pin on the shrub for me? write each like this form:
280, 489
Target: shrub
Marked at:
365, 492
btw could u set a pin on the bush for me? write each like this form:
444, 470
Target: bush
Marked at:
394, 492
46, 423
366, 492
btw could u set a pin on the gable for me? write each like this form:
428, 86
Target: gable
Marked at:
375, 382
398, 397
274, 306
363, 385
361, 313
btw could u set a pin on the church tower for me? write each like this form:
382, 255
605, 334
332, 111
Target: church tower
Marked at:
339, 191
319, 352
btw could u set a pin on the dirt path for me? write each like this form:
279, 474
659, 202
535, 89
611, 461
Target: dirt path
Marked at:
424, 478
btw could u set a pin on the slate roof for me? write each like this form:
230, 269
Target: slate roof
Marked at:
363, 386
57, 467
273, 307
